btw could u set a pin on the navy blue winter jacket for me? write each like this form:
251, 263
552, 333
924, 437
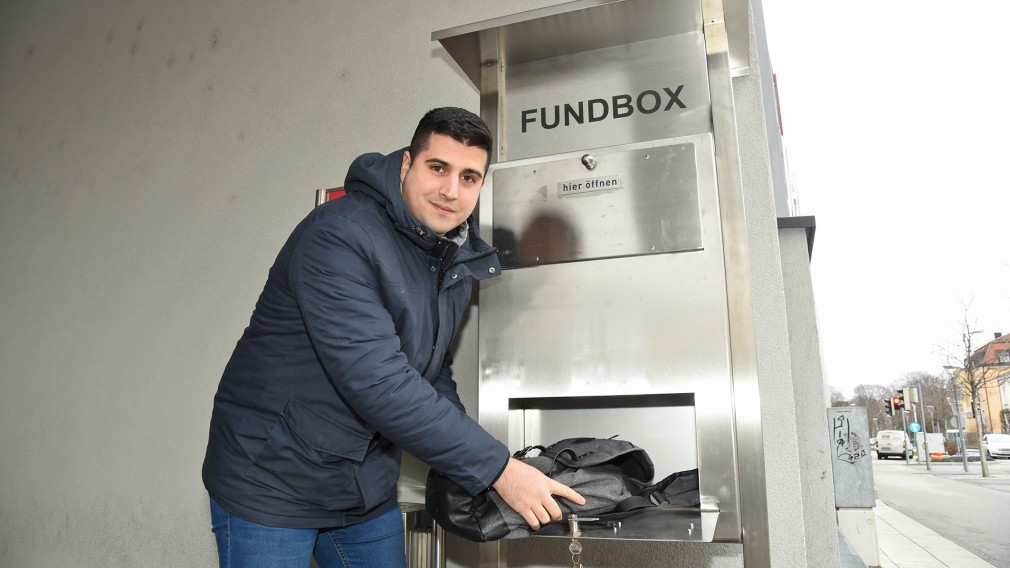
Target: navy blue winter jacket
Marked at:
345, 362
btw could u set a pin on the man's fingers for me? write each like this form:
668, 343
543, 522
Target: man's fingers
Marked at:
568, 493
540, 514
543, 515
531, 519
552, 509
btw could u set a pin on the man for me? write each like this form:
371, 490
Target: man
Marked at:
345, 362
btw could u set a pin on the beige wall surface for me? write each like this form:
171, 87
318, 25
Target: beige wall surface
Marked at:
153, 157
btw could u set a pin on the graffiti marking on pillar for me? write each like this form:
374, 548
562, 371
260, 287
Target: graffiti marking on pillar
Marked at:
848, 448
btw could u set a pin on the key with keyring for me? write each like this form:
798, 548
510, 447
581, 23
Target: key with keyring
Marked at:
576, 549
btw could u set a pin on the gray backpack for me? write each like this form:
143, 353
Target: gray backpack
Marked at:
613, 475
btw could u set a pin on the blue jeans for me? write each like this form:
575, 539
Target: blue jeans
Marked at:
243, 544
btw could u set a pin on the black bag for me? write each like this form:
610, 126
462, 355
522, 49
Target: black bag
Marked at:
612, 475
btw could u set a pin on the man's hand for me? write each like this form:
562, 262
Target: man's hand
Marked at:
529, 492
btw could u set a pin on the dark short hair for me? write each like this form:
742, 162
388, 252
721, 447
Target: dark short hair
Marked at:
459, 124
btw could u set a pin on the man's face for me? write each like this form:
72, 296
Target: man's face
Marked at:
441, 184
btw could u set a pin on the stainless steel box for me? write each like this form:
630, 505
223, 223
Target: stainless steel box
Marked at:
616, 204
613, 301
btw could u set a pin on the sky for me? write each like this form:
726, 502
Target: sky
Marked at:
896, 124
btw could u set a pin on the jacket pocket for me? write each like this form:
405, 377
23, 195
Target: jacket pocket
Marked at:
312, 459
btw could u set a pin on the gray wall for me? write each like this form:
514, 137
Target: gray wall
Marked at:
153, 157
817, 485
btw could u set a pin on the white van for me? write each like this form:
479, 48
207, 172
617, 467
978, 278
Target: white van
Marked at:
893, 443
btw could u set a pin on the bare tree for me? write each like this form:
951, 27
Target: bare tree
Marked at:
976, 376
837, 398
933, 393
872, 397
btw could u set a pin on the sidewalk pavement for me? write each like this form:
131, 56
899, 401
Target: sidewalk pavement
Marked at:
999, 473
905, 543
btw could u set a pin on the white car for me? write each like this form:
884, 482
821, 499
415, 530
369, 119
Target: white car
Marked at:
996, 446
893, 443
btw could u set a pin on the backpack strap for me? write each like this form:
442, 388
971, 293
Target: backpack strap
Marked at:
522, 453
677, 489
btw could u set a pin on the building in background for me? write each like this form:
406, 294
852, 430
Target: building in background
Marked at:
991, 363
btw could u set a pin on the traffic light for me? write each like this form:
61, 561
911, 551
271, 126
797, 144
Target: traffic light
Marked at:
888, 409
898, 402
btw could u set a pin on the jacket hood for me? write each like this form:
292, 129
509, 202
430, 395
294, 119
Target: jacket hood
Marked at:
378, 177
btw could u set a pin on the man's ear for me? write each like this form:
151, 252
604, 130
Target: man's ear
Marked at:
404, 165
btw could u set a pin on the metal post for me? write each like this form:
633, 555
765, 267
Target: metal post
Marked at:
436, 558
915, 420
904, 428
960, 429
957, 412
925, 442
743, 349
933, 425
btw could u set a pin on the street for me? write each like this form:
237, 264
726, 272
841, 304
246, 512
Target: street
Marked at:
969, 510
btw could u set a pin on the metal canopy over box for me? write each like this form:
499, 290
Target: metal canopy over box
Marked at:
586, 25
615, 202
